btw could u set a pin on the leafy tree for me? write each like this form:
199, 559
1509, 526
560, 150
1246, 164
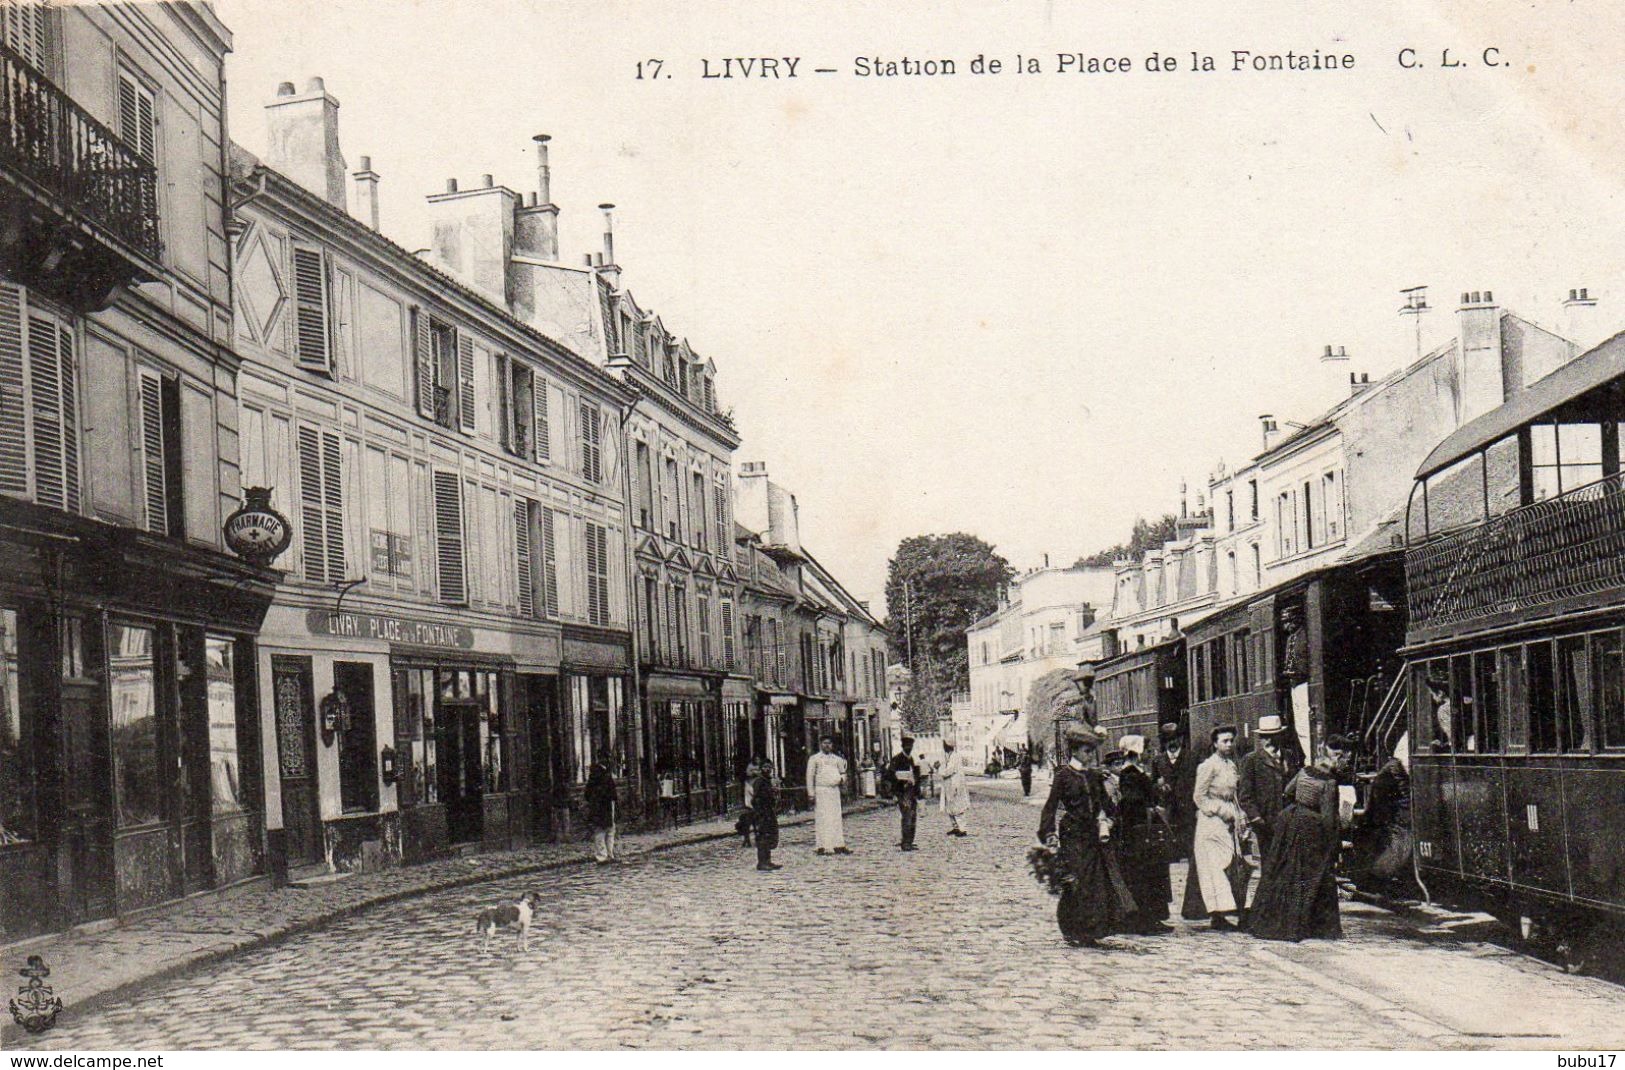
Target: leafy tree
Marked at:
1145, 536
1047, 700
936, 587
925, 704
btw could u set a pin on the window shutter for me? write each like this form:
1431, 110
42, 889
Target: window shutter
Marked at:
507, 417
719, 496
312, 510
13, 391
423, 359
597, 574
70, 417
727, 633
550, 563
135, 112
45, 389
333, 502
448, 522
539, 429
465, 383
312, 339
591, 453
24, 24
522, 511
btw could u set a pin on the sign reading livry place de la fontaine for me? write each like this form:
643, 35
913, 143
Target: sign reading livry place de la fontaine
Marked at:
389, 629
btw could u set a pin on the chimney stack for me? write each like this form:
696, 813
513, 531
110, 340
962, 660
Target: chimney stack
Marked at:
609, 233
366, 193
1580, 319
1271, 430
1480, 371
473, 235
303, 140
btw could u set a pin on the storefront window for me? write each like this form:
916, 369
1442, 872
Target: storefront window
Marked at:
225, 772
16, 744
135, 727
496, 740
414, 736
581, 752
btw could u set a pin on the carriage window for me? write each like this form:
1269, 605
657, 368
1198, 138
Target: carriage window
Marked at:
1514, 697
1489, 702
1462, 736
1608, 663
1543, 461
1445, 716
1542, 688
1575, 692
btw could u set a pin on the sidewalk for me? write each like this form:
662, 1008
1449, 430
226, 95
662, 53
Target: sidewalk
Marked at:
89, 968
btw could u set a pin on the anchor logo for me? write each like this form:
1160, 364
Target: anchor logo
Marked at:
35, 1006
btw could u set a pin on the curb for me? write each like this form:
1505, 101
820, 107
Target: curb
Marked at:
11, 1032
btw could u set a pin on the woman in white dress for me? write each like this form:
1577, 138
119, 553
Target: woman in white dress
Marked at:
1218, 820
955, 792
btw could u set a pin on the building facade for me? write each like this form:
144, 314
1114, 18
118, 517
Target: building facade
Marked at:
449, 650
129, 763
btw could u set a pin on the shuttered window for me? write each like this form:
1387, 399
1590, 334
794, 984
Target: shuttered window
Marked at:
597, 574
321, 504
524, 516
137, 113
541, 432
312, 342
39, 403
156, 443
719, 505
550, 562
23, 27
592, 456
448, 529
727, 633
423, 361
465, 383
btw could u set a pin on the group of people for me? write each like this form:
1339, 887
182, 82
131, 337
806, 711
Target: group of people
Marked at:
1115, 821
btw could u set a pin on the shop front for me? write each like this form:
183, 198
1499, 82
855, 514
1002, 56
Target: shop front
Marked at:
738, 742
684, 726
780, 733
128, 719
395, 735
595, 721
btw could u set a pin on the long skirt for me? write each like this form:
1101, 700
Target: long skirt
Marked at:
1142, 855
1297, 894
827, 831
1211, 854
1096, 902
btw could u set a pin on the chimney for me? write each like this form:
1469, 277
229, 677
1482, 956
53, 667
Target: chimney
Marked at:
366, 193
1331, 356
605, 261
1580, 319
751, 498
1359, 384
536, 225
473, 235
1271, 430
303, 140
1480, 375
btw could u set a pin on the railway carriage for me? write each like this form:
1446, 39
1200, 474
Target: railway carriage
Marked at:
1515, 652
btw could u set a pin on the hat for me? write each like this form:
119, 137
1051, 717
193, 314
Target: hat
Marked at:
1113, 756
1270, 725
1079, 735
908, 739
1170, 728
1132, 744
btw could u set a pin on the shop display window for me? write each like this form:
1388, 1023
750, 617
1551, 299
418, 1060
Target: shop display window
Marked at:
225, 768
138, 787
17, 774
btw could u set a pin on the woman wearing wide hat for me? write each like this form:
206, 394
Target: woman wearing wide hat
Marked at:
1077, 825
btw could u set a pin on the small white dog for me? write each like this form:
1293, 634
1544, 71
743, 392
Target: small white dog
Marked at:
516, 915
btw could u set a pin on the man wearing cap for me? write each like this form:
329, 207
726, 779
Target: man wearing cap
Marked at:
904, 774
1077, 823
1260, 778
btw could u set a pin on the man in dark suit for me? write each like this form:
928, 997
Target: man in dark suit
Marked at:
1260, 778
904, 774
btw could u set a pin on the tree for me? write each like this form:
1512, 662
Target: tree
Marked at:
936, 587
1145, 536
1046, 704
924, 705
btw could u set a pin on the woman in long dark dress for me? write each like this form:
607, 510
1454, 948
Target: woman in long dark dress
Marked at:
1297, 893
1077, 820
1142, 841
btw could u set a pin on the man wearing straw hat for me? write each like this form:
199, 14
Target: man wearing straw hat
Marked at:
1261, 777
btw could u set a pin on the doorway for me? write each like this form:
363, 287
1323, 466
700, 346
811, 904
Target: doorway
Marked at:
538, 695
457, 735
293, 696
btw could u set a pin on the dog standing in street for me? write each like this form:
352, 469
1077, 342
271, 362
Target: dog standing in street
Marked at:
516, 915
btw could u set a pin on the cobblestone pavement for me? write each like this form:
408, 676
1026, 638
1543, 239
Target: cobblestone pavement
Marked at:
950, 946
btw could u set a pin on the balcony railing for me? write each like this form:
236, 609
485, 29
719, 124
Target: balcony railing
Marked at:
1565, 547
82, 164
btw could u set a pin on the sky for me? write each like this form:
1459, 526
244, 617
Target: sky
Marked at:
1025, 306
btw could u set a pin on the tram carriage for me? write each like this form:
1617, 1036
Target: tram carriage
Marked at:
1138, 691
1515, 655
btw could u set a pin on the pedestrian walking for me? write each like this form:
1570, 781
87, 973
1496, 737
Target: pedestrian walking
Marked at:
599, 796
764, 804
1297, 894
747, 818
1261, 777
826, 775
1142, 840
1218, 820
904, 775
955, 792
1025, 769
1076, 825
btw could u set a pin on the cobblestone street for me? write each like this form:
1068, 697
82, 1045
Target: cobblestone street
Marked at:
951, 946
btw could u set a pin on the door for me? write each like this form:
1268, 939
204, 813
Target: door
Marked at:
461, 774
539, 694
194, 826
87, 823
293, 695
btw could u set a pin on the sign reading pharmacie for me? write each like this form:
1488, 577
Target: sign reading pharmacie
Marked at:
389, 628
256, 532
